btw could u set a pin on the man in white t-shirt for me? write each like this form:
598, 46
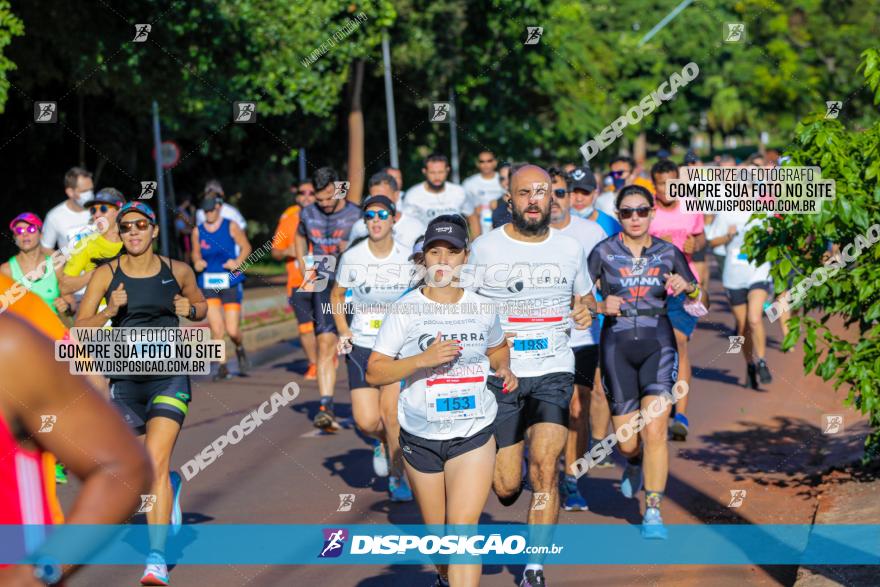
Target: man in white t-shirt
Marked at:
435, 196
536, 274
588, 403
483, 188
407, 228
227, 211
68, 221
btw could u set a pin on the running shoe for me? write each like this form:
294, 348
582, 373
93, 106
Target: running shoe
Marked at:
399, 489
763, 372
176, 512
60, 474
380, 460
243, 364
533, 579
606, 462
222, 372
752, 376
311, 372
652, 525
441, 582
631, 482
325, 419
156, 572
574, 501
678, 427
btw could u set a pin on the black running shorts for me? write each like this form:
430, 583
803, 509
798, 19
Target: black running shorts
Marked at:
544, 398
429, 456
139, 401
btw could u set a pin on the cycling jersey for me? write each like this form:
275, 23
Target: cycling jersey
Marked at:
328, 233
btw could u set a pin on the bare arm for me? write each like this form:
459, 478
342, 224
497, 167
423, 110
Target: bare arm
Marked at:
73, 283
184, 275
243, 243
382, 369
87, 314
475, 224
6, 269
337, 300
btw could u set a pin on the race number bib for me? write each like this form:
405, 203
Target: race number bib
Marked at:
533, 345
372, 322
216, 280
486, 215
738, 257
454, 398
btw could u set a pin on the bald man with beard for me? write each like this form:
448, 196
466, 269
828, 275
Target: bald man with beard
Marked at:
538, 278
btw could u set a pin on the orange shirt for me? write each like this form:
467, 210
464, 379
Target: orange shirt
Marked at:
283, 239
645, 183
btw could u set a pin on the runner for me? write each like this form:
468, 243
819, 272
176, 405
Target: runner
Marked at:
685, 231
68, 221
622, 173
446, 409
214, 259
483, 188
396, 174
549, 270
213, 188
97, 247
747, 286
584, 189
30, 260
323, 231
407, 228
435, 196
637, 353
588, 407
375, 410
500, 207
144, 289
284, 249
89, 436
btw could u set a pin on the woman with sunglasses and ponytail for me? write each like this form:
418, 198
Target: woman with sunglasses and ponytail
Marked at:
638, 355
376, 271
145, 290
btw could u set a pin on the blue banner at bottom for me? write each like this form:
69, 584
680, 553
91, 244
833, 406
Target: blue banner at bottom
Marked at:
567, 544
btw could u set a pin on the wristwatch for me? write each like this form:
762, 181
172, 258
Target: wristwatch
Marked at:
47, 570
192, 313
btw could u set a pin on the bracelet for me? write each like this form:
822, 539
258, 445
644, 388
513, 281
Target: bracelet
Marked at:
192, 313
696, 293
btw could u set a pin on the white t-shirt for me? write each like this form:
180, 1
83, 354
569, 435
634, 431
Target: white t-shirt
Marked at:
452, 400
589, 234
63, 226
228, 212
604, 202
425, 205
482, 192
373, 282
406, 230
533, 283
739, 272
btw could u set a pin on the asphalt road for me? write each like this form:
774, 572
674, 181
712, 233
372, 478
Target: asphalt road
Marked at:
768, 442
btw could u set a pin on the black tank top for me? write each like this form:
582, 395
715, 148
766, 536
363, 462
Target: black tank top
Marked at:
150, 299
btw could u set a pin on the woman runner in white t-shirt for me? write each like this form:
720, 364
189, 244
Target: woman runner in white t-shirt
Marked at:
375, 271
443, 341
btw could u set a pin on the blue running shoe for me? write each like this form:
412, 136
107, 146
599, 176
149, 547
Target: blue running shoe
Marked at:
678, 426
631, 482
574, 501
399, 489
652, 525
176, 512
156, 572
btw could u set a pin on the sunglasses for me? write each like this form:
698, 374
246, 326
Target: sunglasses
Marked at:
141, 225
382, 214
642, 211
618, 173
103, 208
486, 160
560, 193
30, 228
306, 193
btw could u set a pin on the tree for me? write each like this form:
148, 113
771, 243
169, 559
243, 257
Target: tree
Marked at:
799, 243
10, 26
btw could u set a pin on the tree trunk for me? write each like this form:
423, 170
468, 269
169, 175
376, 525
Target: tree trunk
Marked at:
356, 133
82, 129
640, 149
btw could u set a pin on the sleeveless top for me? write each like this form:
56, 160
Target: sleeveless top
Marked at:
46, 286
150, 299
24, 498
217, 248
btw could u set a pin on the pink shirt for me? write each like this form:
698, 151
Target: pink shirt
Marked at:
672, 222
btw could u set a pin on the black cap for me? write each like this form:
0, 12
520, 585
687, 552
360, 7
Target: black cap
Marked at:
210, 203
449, 232
690, 157
582, 178
380, 201
110, 196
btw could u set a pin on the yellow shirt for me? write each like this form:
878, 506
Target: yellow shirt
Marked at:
96, 247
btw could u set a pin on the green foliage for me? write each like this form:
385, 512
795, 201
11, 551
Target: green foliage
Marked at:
10, 26
798, 242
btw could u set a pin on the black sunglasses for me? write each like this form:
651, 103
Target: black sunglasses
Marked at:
560, 193
642, 211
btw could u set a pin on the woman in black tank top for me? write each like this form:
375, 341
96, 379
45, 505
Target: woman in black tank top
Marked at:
143, 289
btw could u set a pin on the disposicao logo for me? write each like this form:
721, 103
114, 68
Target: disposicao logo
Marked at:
334, 542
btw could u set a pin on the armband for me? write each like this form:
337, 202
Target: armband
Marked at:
696, 293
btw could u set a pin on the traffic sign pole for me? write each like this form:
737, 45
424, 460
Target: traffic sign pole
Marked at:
160, 179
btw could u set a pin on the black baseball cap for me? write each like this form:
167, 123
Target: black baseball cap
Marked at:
582, 178
449, 232
110, 196
210, 203
380, 201
690, 157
